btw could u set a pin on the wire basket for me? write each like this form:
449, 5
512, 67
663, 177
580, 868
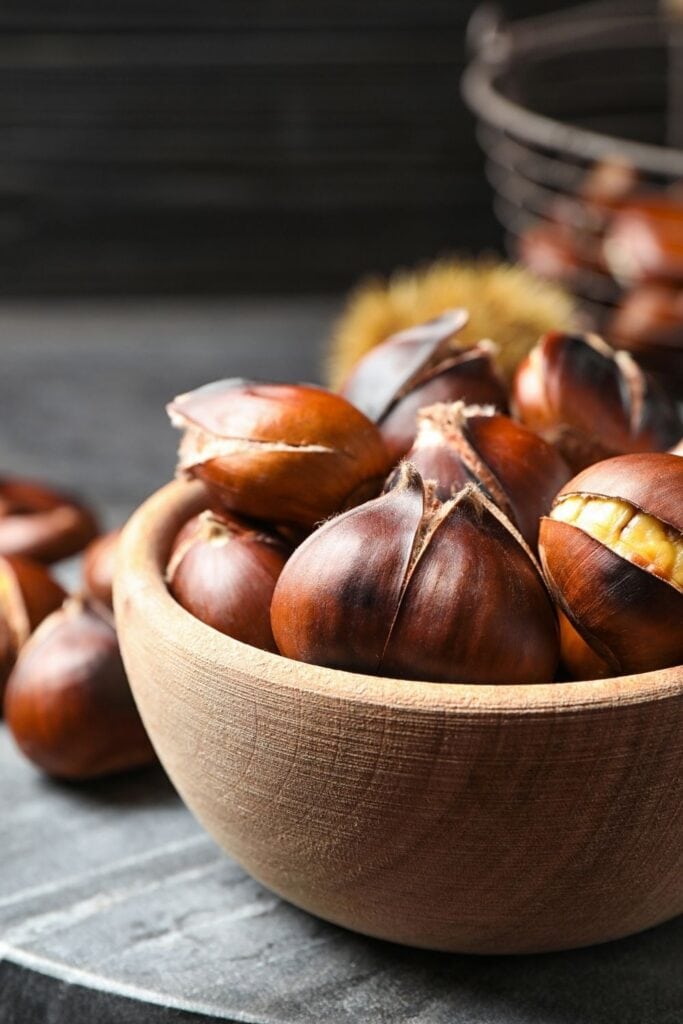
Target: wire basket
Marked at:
556, 94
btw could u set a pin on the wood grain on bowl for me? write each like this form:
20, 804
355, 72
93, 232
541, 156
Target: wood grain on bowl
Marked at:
483, 819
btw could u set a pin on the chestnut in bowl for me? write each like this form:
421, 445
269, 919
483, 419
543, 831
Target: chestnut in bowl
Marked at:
462, 817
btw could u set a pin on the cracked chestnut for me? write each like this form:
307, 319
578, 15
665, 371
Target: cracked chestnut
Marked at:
410, 587
41, 523
590, 401
612, 551
291, 454
457, 444
417, 367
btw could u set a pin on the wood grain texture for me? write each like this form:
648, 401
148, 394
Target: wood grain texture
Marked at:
456, 817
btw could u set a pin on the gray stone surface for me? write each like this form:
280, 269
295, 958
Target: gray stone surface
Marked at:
114, 906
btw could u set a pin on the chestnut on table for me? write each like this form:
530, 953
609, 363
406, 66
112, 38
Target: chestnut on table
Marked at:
114, 905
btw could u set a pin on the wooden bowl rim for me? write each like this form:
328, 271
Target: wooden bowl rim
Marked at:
145, 545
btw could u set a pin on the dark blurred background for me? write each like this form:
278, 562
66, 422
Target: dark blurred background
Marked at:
231, 146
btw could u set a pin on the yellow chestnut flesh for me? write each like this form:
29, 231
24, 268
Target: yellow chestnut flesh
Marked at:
626, 530
612, 553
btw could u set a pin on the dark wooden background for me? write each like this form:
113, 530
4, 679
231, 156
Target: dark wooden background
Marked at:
233, 145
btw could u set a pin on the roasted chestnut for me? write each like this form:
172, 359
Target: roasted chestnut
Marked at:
458, 444
40, 523
99, 563
224, 572
410, 587
416, 368
291, 454
649, 323
608, 184
579, 660
552, 251
590, 401
645, 241
612, 552
27, 594
68, 703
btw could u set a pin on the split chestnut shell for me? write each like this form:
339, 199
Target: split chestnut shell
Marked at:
408, 587
457, 444
612, 551
287, 453
41, 523
592, 402
417, 367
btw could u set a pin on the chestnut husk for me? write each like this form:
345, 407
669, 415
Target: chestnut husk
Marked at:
406, 586
590, 401
417, 367
286, 453
458, 444
629, 617
68, 704
223, 571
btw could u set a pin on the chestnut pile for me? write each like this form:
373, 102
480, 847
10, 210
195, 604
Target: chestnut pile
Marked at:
63, 688
407, 527
410, 528
619, 242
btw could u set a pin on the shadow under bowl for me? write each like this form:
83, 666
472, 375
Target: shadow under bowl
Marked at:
468, 818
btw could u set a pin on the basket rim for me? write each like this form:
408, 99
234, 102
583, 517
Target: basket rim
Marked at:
498, 45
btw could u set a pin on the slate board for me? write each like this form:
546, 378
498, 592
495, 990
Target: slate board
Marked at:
115, 907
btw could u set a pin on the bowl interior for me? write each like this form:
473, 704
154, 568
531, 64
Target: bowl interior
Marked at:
148, 541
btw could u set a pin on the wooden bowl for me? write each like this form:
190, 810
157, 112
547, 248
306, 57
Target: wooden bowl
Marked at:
469, 818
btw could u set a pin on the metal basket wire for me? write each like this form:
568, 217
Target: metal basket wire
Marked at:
557, 93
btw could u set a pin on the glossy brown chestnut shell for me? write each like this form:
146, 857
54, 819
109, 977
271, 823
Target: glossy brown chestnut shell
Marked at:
645, 241
224, 571
590, 401
28, 593
99, 564
408, 587
626, 608
41, 523
649, 323
557, 252
291, 454
457, 444
418, 367
68, 703
579, 660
